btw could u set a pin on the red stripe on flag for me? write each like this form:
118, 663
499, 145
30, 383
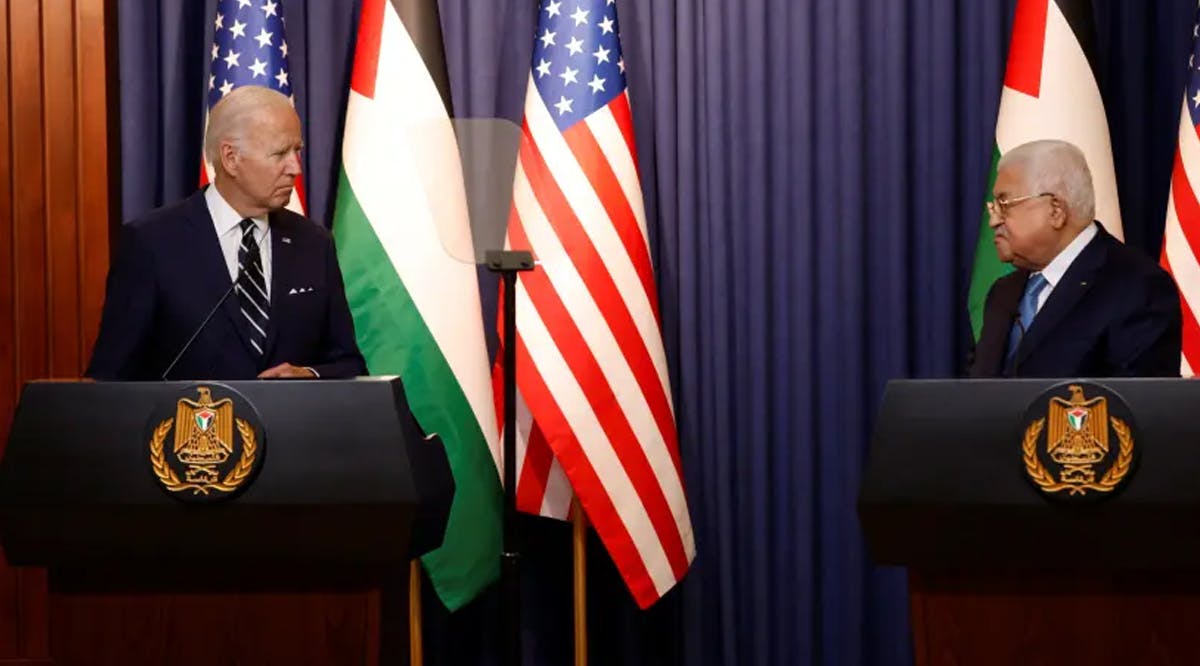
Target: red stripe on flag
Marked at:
596, 502
621, 113
600, 174
535, 472
600, 285
1191, 329
300, 193
366, 49
1027, 48
603, 402
1186, 207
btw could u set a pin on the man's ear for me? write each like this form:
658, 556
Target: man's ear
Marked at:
229, 157
1058, 213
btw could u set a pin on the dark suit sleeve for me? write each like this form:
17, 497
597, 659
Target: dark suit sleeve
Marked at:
128, 314
340, 355
1146, 342
980, 354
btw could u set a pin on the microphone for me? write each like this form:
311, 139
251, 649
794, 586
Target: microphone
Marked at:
204, 323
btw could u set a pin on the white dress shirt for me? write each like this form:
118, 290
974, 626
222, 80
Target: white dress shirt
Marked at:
229, 232
1054, 271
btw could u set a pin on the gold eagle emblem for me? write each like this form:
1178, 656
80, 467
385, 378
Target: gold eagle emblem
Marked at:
1077, 442
204, 442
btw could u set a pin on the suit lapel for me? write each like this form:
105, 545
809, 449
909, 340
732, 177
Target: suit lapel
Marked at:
213, 267
1075, 283
998, 321
282, 257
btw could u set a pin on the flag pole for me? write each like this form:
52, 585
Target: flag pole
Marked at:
508, 263
579, 547
416, 646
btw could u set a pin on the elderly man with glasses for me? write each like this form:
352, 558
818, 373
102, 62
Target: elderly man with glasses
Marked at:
1080, 303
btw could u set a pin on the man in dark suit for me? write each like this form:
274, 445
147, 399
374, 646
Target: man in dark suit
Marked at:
1081, 303
282, 310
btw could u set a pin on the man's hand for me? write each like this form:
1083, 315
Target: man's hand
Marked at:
287, 370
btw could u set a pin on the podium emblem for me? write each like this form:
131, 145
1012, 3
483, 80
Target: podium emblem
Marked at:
1078, 441
210, 448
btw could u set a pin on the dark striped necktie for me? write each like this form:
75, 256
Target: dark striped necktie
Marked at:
252, 288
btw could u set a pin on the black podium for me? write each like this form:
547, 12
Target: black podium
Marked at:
208, 522
1003, 572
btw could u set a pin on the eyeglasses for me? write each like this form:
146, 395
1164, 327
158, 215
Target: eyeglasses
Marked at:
1000, 207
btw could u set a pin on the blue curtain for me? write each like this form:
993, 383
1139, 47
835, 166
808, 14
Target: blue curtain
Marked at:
813, 173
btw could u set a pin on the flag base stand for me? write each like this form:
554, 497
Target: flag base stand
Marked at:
508, 263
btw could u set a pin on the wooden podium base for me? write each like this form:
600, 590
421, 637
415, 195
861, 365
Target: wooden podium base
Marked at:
1032, 619
98, 621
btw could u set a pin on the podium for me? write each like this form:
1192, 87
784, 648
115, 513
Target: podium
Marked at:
154, 561
1002, 572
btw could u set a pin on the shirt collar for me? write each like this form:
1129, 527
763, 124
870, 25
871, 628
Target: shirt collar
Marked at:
224, 216
1056, 269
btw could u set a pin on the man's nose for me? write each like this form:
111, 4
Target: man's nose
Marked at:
292, 166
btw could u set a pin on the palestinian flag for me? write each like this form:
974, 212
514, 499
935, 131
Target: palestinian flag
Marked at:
404, 244
1050, 92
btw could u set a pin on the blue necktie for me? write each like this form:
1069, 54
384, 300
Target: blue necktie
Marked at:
1027, 311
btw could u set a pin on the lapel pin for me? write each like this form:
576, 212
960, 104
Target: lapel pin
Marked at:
286, 240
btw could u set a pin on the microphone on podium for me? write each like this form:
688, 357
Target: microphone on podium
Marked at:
199, 328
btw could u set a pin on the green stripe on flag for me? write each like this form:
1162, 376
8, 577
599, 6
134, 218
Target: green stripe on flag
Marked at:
394, 339
987, 268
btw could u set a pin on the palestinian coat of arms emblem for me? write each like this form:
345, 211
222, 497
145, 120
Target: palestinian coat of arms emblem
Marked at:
213, 452
1078, 448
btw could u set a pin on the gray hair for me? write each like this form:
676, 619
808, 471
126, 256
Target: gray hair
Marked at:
229, 117
1057, 167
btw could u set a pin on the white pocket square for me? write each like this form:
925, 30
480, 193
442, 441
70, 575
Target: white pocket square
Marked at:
301, 290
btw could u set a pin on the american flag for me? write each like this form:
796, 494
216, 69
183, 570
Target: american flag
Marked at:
595, 412
249, 49
1181, 237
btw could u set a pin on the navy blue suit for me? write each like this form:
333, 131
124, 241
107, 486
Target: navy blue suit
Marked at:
1114, 313
168, 274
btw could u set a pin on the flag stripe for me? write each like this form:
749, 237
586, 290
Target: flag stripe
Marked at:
616, 142
1024, 69
366, 48
535, 472
623, 117
590, 379
598, 170
558, 494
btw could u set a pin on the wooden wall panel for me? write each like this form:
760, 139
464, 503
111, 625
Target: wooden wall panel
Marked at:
93, 206
59, 110
54, 229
